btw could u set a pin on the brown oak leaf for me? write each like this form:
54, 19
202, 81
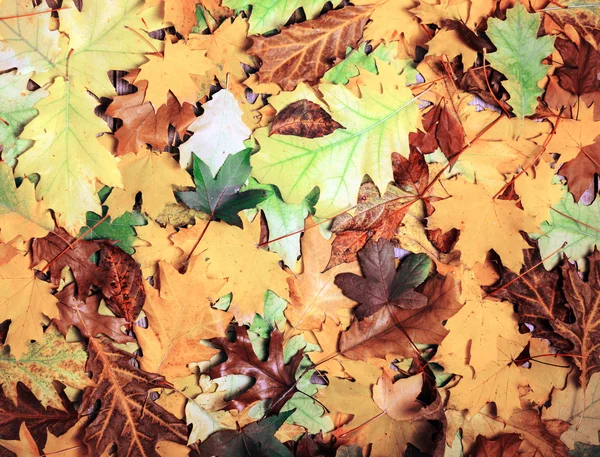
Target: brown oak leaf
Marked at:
382, 284
127, 416
304, 52
84, 315
274, 378
77, 258
123, 289
304, 118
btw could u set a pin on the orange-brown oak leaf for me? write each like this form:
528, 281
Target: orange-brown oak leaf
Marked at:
304, 52
274, 379
304, 118
127, 416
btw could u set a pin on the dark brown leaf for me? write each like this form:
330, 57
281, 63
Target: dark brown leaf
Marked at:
578, 74
304, 52
382, 284
124, 286
127, 416
412, 174
275, 379
581, 170
77, 258
443, 130
304, 118
84, 315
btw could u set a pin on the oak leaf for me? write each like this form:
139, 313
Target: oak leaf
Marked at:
304, 52
154, 175
382, 285
304, 118
179, 316
50, 359
313, 294
127, 417
274, 379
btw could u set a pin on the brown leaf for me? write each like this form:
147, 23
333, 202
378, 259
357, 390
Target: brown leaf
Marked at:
38, 419
537, 294
581, 170
77, 258
443, 130
412, 174
578, 74
506, 445
274, 378
443, 241
304, 52
585, 21
584, 300
382, 284
393, 330
84, 315
124, 286
304, 118
142, 124
127, 416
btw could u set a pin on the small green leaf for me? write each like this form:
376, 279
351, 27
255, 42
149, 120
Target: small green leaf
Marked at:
120, 229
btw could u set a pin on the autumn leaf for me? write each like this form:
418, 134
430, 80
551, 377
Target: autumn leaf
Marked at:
580, 15
504, 446
127, 417
304, 118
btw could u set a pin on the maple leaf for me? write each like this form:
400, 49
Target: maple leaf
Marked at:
137, 424
182, 14
50, 359
355, 61
296, 165
155, 245
287, 58
25, 300
383, 285
538, 193
304, 118
399, 399
20, 214
252, 440
313, 294
25, 446
120, 230
518, 56
506, 445
143, 125
29, 410
581, 171
220, 196
67, 155
392, 330
218, 133
274, 379
474, 212
84, 315
582, 297
154, 175
539, 301
16, 112
77, 258
26, 41
176, 60
178, 318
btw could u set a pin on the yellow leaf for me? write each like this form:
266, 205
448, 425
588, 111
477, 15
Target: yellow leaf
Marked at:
178, 318
484, 222
154, 245
153, 174
69, 444
67, 155
25, 446
233, 253
537, 192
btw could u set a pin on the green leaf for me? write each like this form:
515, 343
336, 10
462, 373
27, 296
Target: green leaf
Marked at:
283, 219
413, 271
273, 316
376, 125
573, 223
16, 111
220, 196
120, 230
519, 56
270, 15
349, 67
253, 440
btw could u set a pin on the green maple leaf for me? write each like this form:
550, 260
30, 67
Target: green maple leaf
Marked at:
377, 124
220, 196
355, 60
519, 56
270, 15
571, 222
120, 229
253, 440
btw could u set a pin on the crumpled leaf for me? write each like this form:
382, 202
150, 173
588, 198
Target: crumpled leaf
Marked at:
304, 118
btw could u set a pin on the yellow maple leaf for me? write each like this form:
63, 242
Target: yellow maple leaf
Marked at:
153, 174
67, 155
484, 222
573, 134
179, 317
178, 63
233, 253
24, 299
154, 245
537, 192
